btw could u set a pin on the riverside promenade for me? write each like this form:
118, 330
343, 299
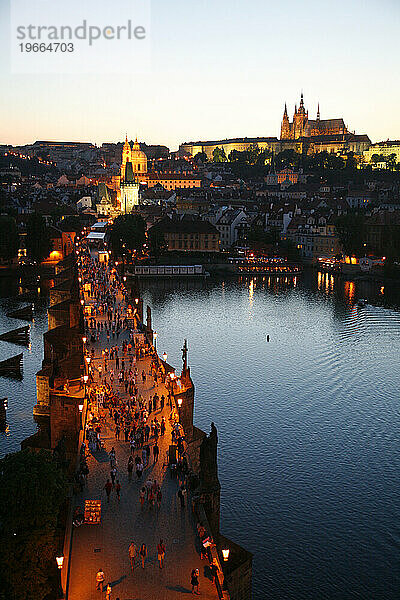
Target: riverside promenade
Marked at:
106, 545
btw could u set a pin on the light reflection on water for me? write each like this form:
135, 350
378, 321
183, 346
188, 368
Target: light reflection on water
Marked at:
21, 392
308, 424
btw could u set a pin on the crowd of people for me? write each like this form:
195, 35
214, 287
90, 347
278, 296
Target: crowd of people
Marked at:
114, 401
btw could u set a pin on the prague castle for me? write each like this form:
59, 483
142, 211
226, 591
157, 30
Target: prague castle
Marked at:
302, 135
303, 127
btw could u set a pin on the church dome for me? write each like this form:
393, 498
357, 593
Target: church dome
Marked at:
138, 159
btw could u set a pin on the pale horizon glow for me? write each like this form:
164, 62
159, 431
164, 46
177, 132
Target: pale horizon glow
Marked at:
222, 69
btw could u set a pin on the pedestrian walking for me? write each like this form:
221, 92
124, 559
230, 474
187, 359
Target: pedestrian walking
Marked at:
159, 498
181, 497
108, 487
108, 592
132, 554
100, 577
156, 452
214, 570
161, 554
113, 474
130, 467
194, 580
139, 470
118, 490
143, 554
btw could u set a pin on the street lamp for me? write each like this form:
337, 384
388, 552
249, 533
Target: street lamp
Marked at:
225, 554
88, 359
165, 356
60, 561
85, 380
82, 302
155, 340
84, 339
179, 401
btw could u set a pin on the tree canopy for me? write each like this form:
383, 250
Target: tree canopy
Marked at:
200, 157
32, 493
219, 155
351, 231
128, 233
9, 238
157, 243
38, 243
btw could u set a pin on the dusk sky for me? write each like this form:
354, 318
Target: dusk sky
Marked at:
221, 68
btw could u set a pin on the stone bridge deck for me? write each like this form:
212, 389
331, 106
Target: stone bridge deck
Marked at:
106, 545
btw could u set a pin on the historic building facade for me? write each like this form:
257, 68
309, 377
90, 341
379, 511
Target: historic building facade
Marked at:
301, 135
303, 127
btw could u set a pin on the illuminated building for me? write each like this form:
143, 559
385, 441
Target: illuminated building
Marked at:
136, 158
302, 126
129, 188
301, 135
383, 149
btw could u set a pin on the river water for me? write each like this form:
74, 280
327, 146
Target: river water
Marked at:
308, 422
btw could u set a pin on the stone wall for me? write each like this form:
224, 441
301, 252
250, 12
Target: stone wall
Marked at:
64, 422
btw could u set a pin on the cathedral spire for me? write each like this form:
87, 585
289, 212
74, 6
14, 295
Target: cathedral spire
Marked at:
318, 115
285, 111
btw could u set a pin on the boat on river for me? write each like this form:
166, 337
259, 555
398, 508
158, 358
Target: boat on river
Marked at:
260, 265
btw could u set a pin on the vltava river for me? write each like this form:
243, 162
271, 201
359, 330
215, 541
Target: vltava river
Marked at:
308, 422
308, 425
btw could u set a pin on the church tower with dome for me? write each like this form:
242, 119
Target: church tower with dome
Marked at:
133, 170
135, 156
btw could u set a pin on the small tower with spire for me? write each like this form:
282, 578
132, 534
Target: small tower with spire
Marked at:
285, 126
126, 156
300, 119
318, 115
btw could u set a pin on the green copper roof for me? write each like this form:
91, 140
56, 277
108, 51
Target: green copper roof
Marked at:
129, 172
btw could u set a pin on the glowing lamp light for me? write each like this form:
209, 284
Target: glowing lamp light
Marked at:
88, 360
60, 561
165, 356
80, 407
82, 302
172, 375
84, 340
85, 378
225, 554
124, 278
155, 335
179, 401
136, 300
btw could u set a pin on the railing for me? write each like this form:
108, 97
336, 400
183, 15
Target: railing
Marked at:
167, 270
